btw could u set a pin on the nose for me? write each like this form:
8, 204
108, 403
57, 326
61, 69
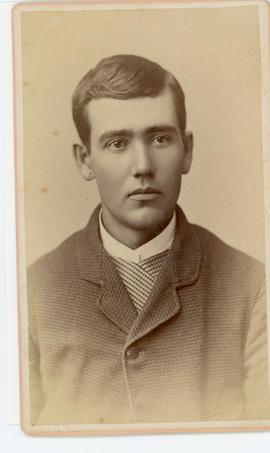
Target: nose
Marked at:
142, 164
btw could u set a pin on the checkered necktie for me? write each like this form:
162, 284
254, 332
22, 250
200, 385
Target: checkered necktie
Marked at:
139, 278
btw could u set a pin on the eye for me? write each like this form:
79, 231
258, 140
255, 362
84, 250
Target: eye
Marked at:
117, 144
161, 141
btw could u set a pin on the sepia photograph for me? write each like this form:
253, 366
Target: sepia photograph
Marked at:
141, 208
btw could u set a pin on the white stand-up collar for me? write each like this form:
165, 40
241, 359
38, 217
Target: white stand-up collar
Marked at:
158, 244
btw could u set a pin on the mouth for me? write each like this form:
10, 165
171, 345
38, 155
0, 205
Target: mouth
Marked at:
149, 193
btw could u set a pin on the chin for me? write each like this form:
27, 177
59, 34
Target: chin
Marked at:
149, 219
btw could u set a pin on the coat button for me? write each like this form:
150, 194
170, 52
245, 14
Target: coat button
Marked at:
132, 353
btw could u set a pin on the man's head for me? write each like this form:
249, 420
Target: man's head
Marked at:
130, 116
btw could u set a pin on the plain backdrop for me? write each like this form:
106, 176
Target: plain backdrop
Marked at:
12, 438
215, 55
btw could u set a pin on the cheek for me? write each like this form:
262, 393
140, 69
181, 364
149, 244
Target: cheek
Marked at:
171, 170
170, 175
109, 183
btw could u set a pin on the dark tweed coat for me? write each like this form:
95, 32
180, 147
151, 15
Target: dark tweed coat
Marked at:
196, 352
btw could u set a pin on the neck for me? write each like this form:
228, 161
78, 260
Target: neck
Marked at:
131, 237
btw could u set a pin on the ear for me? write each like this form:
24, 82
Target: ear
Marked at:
188, 143
82, 158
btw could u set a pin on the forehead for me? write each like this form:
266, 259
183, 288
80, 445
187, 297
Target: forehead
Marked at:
136, 114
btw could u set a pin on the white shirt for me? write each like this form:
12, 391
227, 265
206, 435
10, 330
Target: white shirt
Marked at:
158, 244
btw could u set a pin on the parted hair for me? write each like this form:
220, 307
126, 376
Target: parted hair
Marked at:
124, 77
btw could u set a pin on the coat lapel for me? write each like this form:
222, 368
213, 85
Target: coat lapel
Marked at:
96, 266
114, 300
180, 269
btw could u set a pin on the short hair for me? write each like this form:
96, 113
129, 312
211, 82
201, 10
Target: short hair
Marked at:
124, 77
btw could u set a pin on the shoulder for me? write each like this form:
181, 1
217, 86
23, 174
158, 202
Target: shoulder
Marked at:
60, 262
60, 272
226, 262
215, 248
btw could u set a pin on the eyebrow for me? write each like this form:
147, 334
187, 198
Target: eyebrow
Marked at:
130, 133
115, 133
160, 128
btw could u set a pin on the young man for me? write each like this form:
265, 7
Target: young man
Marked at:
141, 316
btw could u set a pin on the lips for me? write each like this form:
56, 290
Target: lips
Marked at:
149, 193
148, 190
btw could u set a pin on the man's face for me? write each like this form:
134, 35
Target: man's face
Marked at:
138, 156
